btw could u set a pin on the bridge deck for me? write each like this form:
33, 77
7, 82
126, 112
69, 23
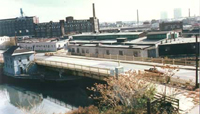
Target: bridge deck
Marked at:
104, 72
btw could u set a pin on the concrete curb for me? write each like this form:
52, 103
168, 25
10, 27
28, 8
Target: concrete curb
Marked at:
131, 62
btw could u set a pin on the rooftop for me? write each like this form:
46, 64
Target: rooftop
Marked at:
15, 50
181, 40
115, 46
159, 32
105, 34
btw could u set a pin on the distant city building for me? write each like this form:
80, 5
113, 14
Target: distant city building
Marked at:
16, 61
177, 13
163, 15
167, 26
21, 26
146, 22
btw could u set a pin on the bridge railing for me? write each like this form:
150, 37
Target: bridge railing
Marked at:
76, 67
181, 61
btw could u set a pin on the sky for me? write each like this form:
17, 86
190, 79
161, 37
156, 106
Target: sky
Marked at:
106, 10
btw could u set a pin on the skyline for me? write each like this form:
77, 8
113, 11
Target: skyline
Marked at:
106, 11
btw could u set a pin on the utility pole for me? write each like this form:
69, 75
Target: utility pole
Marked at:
197, 62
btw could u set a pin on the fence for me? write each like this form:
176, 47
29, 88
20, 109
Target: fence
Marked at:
76, 67
159, 99
182, 61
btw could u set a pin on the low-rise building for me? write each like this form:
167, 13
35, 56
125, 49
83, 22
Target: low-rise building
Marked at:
181, 47
6, 42
131, 46
16, 61
43, 46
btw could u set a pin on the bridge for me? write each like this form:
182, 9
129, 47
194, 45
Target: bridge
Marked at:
99, 68
77, 69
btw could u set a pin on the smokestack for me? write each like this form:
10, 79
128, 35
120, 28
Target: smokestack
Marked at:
137, 18
93, 10
189, 12
62, 27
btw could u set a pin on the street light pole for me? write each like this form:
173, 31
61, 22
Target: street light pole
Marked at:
197, 62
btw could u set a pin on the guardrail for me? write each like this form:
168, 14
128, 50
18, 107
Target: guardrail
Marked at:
76, 67
183, 61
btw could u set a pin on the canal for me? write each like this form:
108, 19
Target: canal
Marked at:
44, 98
22, 100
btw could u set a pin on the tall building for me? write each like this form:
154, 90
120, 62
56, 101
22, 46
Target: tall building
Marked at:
177, 13
48, 29
67, 26
163, 15
20, 26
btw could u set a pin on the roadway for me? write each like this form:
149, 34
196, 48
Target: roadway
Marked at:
182, 73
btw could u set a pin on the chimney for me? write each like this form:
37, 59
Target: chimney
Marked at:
93, 10
62, 27
137, 18
189, 12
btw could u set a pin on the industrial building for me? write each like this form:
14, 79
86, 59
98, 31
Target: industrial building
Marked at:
167, 26
30, 26
117, 44
182, 47
20, 26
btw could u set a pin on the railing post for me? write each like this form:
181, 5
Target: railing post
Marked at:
110, 56
162, 61
148, 106
173, 60
117, 57
133, 58
185, 62
124, 57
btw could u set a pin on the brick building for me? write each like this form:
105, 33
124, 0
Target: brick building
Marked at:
20, 26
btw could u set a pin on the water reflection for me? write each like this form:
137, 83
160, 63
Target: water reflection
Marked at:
15, 100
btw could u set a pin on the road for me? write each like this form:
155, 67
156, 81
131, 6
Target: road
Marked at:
182, 73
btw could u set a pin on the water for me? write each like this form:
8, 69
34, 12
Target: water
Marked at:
22, 100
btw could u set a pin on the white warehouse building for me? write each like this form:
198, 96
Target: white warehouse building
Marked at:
49, 46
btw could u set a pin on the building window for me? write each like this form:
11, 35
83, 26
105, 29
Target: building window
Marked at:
83, 51
107, 52
167, 48
87, 51
28, 59
20, 60
77, 50
121, 53
97, 51
135, 54
73, 50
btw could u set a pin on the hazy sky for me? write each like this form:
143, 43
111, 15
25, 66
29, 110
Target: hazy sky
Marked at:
106, 10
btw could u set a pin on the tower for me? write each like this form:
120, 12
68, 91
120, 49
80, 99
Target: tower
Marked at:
137, 18
94, 16
21, 12
95, 21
